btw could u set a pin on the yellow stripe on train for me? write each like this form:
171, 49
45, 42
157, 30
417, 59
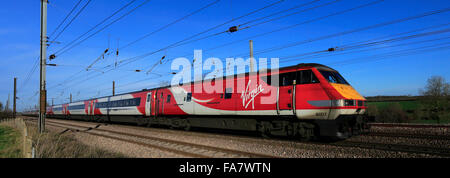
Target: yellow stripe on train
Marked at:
347, 91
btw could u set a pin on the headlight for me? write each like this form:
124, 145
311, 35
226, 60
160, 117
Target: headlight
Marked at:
349, 103
337, 103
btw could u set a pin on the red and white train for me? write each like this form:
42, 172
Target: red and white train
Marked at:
309, 100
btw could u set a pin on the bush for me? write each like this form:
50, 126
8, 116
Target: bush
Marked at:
392, 114
372, 112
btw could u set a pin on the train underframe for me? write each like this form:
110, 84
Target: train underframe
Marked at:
343, 127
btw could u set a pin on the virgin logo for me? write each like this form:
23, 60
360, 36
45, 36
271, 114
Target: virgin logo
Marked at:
249, 96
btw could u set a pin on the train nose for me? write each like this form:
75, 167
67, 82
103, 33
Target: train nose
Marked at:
347, 91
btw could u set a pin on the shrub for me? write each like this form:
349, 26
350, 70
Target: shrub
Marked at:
392, 114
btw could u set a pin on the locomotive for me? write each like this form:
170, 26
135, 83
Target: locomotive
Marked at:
304, 101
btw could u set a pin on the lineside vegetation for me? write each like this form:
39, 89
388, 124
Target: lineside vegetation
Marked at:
432, 106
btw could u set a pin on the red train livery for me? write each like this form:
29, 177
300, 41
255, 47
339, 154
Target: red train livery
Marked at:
307, 101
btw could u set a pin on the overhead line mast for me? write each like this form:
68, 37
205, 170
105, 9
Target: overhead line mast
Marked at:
43, 91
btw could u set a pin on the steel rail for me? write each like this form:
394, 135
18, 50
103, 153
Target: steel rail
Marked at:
204, 147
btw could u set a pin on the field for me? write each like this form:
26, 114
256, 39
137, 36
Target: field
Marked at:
10, 143
412, 108
406, 105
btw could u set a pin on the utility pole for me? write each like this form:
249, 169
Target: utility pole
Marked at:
14, 101
113, 87
7, 103
251, 56
43, 91
71, 98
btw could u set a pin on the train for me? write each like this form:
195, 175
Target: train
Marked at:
304, 101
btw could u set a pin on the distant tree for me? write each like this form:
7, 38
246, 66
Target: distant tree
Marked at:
1, 110
436, 87
436, 100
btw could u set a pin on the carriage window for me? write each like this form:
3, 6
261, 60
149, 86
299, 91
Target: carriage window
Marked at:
228, 93
287, 78
76, 107
306, 77
333, 77
168, 98
149, 95
189, 97
284, 79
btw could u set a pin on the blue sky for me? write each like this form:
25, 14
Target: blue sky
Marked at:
398, 75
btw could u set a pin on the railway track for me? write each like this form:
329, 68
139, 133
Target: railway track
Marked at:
167, 145
409, 125
444, 152
405, 135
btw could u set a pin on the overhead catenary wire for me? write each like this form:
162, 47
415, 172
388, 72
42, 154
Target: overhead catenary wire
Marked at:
280, 12
70, 22
193, 36
96, 60
132, 59
168, 25
284, 46
403, 33
238, 29
281, 47
340, 12
64, 20
399, 53
336, 53
291, 26
100, 23
287, 15
71, 45
143, 36
352, 31
29, 75
365, 44
103, 21
363, 50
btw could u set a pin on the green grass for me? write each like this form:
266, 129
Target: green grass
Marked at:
53, 145
406, 105
10, 144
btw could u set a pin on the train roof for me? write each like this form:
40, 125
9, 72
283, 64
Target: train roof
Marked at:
301, 65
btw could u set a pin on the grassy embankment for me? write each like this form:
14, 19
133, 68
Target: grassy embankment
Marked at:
54, 145
10, 143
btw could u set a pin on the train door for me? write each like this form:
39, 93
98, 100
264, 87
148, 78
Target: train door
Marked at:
155, 104
161, 104
286, 93
91, 107
148, 104
64, 111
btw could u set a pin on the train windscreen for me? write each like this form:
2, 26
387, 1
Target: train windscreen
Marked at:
333, 77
